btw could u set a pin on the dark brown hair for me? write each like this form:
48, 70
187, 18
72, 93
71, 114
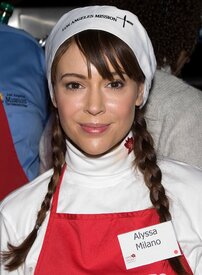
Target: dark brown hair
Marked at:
98, 47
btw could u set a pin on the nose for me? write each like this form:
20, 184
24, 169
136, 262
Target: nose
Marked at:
95, 103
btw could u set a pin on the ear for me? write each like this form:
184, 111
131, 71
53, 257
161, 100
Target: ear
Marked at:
140, 94
54, 101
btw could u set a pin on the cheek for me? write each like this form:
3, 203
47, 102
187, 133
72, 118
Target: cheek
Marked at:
127, 115
125, 110
67, 107
65, 112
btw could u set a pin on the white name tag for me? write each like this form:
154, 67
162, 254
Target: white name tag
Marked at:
148, 245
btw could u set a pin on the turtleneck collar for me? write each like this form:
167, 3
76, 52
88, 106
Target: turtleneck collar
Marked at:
112, 163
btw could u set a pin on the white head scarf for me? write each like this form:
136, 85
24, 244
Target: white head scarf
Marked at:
120, 23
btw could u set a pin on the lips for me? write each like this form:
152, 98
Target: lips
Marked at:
94, 128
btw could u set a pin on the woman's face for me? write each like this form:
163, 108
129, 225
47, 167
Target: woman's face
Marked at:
95, 113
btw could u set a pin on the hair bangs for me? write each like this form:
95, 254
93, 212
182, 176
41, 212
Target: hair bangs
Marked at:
101, 49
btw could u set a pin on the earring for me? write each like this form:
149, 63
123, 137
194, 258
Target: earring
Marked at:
129, 144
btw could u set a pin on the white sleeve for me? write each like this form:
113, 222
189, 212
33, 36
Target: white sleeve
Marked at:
186, 214
197, 224
7, 234
199, 265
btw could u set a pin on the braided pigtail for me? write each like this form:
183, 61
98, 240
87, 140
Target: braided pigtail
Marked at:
16, 255
146, 161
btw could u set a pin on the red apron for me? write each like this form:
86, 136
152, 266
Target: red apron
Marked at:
12, 174
87, 244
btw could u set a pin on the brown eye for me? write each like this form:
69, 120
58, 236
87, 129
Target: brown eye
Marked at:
117, 84
73, 86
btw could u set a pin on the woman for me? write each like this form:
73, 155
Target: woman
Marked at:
108, 208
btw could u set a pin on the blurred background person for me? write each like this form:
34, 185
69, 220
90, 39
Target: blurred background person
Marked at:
24, 107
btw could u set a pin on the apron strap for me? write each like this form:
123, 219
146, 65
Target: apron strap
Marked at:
12, 174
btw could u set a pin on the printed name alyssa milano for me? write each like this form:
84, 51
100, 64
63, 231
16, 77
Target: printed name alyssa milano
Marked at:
146, 244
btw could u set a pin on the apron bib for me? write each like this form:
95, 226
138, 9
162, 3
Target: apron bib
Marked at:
12, 174
87, 244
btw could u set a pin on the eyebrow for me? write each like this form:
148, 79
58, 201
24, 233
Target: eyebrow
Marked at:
73, 74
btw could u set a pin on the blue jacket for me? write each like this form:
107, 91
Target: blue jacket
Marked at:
23, 87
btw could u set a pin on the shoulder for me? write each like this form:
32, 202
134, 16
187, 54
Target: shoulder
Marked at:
16, 32
183, 187
167, 83
26, 46
172, 93
181, 179
25, 202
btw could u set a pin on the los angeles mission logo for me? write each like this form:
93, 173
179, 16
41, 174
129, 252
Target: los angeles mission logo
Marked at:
123, 20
